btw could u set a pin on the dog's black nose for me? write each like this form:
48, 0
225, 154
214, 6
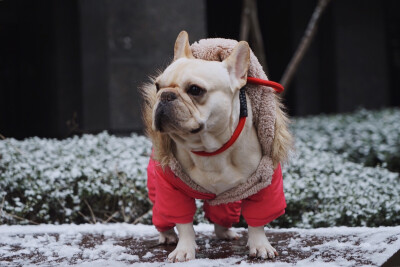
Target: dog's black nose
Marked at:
168, 96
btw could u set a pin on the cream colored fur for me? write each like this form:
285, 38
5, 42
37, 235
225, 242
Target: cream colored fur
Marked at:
164, 146
217, 112
162, 143
264, 142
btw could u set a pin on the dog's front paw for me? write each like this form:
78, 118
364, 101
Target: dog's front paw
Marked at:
186, 248
259, 245
262, 249
168, 237
225, 233
183, 252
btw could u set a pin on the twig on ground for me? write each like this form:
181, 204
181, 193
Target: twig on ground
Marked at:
111, 217
141, 217
12, 215
61, 204
157, 245
123, 212
19, 218
137, 191
91, 211
2, 205
84, 216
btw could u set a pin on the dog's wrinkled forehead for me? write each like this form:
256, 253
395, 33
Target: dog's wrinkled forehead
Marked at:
184, 72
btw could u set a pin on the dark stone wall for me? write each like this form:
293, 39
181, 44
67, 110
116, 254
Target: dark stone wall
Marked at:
392, 29
360, 48
94, 64
346, 66
74, 66
123, 42
352, 61
141, 38
313, 88
39, 67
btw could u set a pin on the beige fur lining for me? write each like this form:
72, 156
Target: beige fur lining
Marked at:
268, 118
162, 143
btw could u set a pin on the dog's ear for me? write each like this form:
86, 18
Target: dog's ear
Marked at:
238, 64
182, 47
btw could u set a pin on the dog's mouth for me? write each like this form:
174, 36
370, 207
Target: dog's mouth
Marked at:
166, 121
194, 131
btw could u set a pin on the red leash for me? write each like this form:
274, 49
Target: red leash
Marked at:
243, 115
276, 86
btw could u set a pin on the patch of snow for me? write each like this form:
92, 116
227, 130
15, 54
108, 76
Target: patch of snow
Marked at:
61, 244
148, 255
119, 229
128, 257
207, 245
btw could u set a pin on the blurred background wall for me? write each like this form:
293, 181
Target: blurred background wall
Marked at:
74, 66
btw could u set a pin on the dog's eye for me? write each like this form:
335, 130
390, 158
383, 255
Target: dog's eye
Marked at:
157, 87
195, 90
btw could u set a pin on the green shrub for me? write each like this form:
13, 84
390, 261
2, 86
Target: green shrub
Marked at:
74, 180
368, 137
103, 177
323, 189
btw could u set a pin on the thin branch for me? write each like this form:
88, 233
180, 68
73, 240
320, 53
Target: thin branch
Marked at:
304, 43
123, 212
156, 245
91, 211
245, 20
111, 217
2, 205
141, 217
250, 27
19, 218
84, 216
12, 215
257, 36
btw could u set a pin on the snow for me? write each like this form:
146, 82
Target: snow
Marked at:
148, 255
62, 245
119, 229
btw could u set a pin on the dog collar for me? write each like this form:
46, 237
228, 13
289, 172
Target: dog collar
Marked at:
243, 115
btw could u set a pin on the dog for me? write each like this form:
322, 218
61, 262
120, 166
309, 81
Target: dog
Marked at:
192, 109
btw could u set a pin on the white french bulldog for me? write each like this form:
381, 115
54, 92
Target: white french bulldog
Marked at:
197, 106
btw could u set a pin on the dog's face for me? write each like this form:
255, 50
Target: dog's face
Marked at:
196, 96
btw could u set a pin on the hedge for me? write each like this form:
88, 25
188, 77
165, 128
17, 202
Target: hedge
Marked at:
344, 172
366, 137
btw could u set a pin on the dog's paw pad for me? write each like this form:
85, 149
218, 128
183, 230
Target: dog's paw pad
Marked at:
264, 251
260, 247
181, 255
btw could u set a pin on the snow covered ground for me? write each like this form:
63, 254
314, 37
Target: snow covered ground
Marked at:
126, 244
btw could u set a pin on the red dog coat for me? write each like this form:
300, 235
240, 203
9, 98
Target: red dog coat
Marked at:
174, 201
